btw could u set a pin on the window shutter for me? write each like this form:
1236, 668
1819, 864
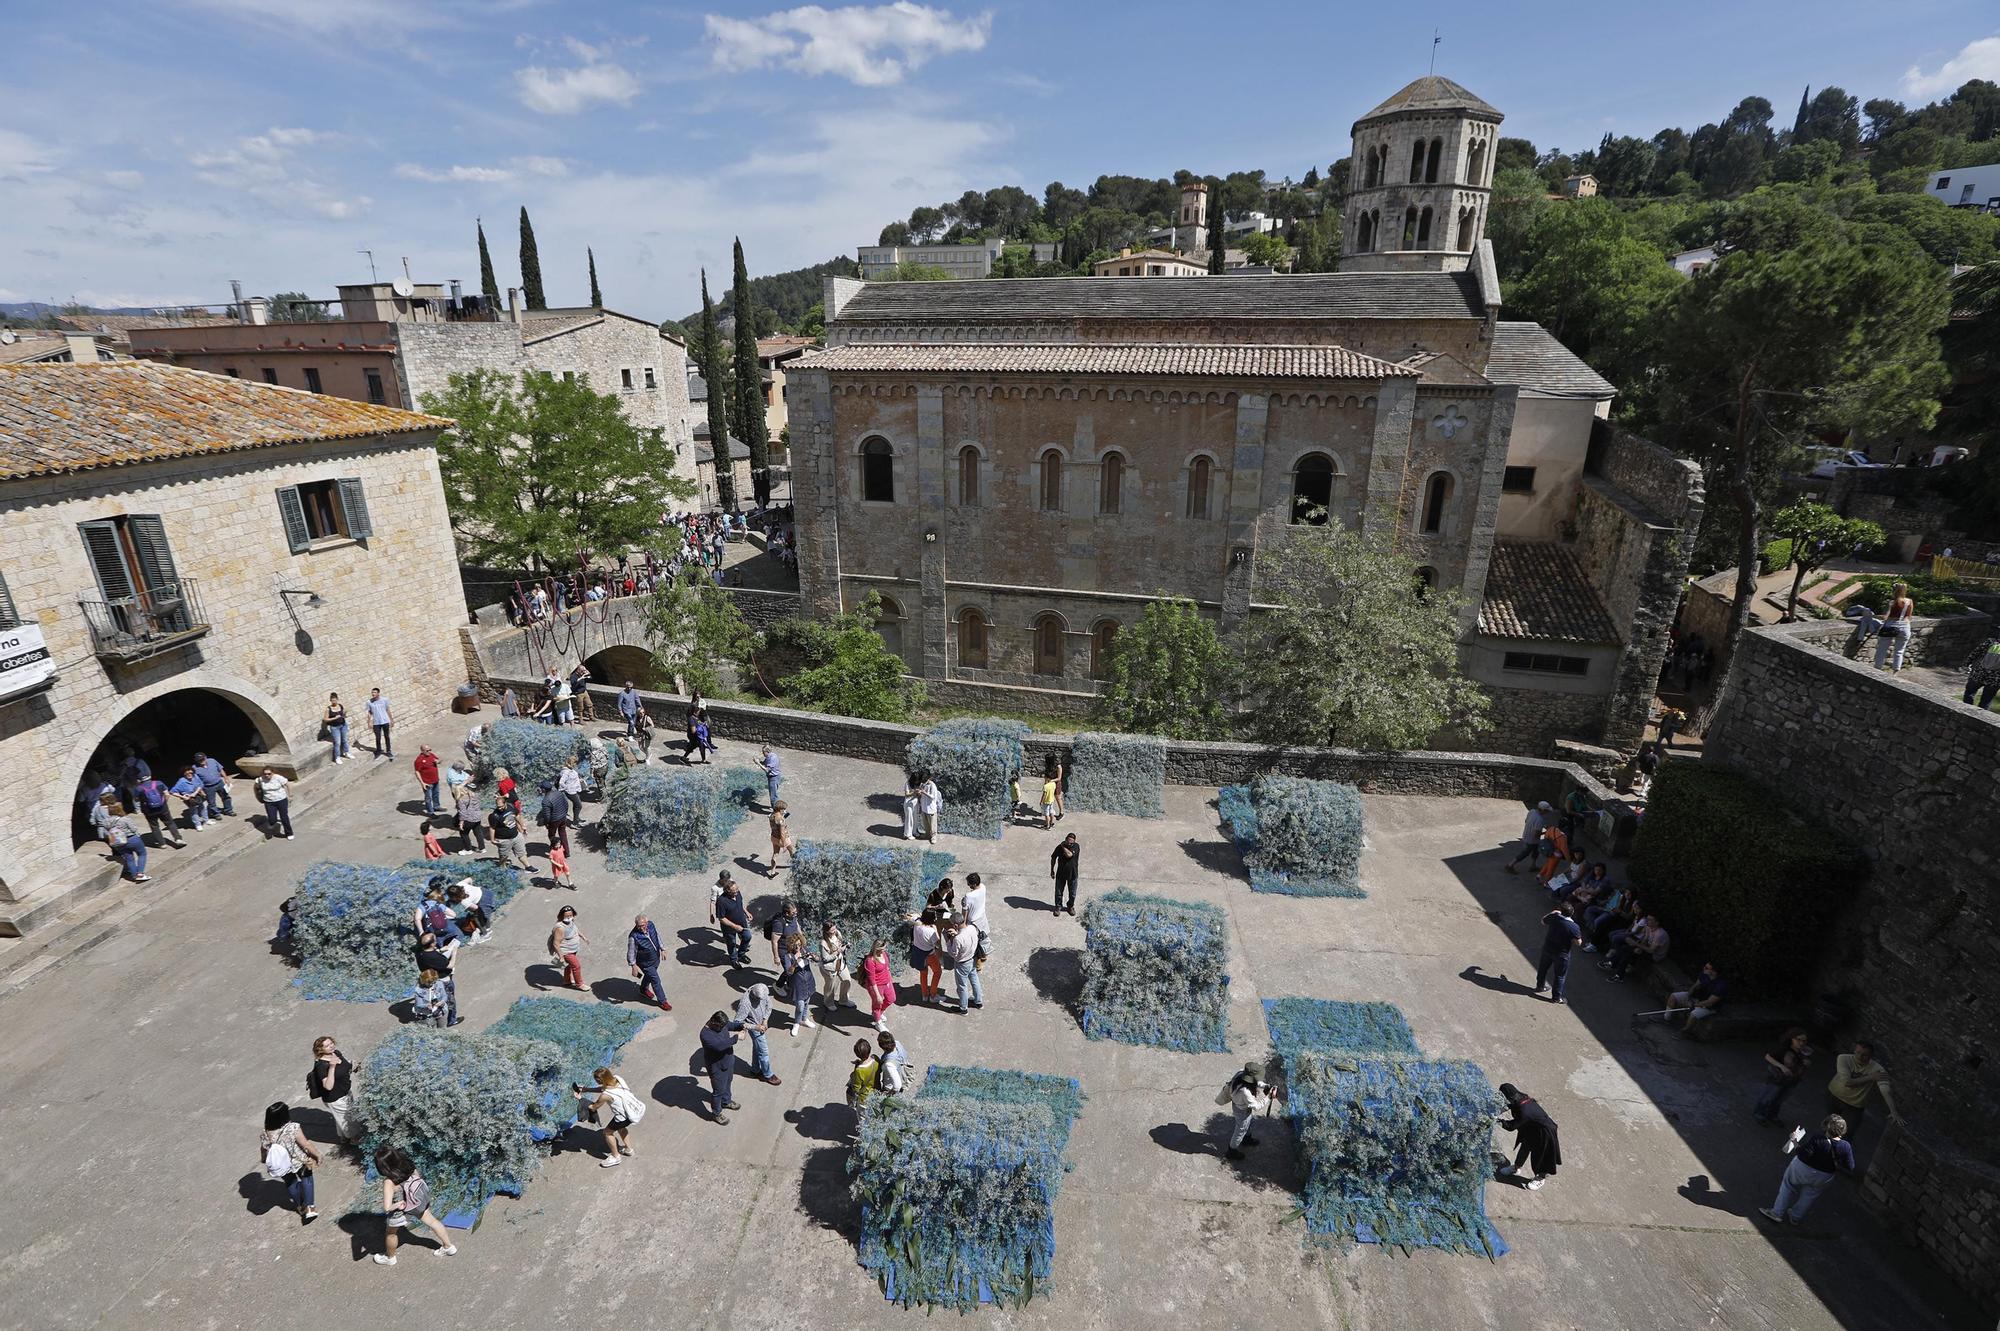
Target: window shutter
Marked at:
100, 543
355, 505
149, 542
297, 536
8, 617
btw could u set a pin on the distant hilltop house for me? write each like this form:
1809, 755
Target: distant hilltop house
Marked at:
1149, 263
970, 261
1976, 187
1689, 262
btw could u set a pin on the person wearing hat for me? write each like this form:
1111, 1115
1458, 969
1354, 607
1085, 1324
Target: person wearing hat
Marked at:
1531, 832
1534, 1131
1248, 1095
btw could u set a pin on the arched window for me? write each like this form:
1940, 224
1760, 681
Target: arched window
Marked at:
968, 477
1101, 637
1475, 163
1374, 176
972, 639
1111, 483
1431, 162
1312, 489
1424, 229
1466, 217
1364, 233
1427, 581
878, 471
1049, 645
1437, 493
1409, 229
1417, 162
1199, 472
1052, 478
889, 623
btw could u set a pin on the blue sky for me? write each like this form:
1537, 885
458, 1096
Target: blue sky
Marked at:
152, 152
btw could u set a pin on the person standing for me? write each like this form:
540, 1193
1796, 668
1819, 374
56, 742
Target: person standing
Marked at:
565, 946
927, 953
554, 816
861, 1079
510, 704
892, 1065
910, 810
795, 981
628, 707
331, 1082
381, 720
1982, 673
510, 843
781, 836
929, 803
153, 803
612, 1094
289, 1159
831, 958
1857, 1076
214, 784
780, 929
570, 782
961, 945
773, 776
467, 811
335, 720
1049, 791
194, 803
1895, 631
426, 767
875, 978
406, 1201
642, 953
1064, 863
1053, 770
1537, 1142
1559, 936
732, 918
274, 792
1784, 1068
718, 1056
973, 911
1247, 1095
753, 1014
1820, 1159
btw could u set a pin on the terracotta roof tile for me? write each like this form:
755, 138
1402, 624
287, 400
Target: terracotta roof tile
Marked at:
1181, 360
1537, 590
61, 418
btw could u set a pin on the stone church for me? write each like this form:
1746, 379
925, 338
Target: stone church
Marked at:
1017, 467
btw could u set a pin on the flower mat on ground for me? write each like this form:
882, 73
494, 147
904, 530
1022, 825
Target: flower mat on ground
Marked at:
958, 1184
1123, 774
866, 888
972, 761
353, 925
1153, 972
1327, 1027
532, 753
1299, 838
590, 1035
660, 821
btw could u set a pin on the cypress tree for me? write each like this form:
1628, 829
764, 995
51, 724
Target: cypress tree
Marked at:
596, 296
489, 286
531, 266
1802, 123
1218, 247
750, 382
715, 369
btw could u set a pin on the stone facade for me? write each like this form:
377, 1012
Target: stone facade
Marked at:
1422, 171
392, 602
1943, 1202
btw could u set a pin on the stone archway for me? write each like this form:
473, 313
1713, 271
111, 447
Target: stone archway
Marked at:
616, 663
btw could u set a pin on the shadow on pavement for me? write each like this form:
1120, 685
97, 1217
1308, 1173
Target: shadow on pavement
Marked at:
825, 1194
1057, 974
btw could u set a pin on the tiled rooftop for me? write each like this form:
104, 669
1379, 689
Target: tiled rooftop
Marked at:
1528, 354
1434, 92
1195, 359
1537, 591
1276, 296
62, 418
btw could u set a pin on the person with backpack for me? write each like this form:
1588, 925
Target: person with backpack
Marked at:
406, 1201
152, 796
123, 837
611, 1095
861, 1079
331, 1082
795, 981
553, 815
436, 956
1816, 1161
510, 843
289, 1159
1247, 1095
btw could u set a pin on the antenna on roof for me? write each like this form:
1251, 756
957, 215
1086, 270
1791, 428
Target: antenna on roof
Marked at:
371, 265
1435, 39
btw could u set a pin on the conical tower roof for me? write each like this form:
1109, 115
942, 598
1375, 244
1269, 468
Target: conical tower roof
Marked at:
1433, 92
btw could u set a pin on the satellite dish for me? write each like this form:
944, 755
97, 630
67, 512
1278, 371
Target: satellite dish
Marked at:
7, 337
403, 287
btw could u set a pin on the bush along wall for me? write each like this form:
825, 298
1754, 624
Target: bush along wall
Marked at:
958, 1185
1738, 879
1153, 972
660, 821
972, 761
1298, 837
1122, 774
353, 924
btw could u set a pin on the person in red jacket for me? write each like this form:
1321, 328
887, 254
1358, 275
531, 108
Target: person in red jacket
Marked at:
427, 773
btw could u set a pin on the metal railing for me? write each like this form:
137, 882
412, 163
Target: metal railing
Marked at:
132, 627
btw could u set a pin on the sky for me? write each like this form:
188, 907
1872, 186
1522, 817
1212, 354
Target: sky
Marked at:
151, 152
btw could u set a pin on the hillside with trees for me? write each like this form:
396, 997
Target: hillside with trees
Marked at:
781, 300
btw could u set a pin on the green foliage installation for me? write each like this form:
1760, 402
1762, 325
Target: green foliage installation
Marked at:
1299, 837
353, 924
1124, 774
864, 888
1327, 1027
532, 753
1153, 972
972, 760
660, 821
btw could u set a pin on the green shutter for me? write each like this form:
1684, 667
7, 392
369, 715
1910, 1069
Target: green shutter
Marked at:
297, 536
107, 561
149, 542
355, 506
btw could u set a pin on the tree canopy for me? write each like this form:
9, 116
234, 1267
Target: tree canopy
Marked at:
1170, 674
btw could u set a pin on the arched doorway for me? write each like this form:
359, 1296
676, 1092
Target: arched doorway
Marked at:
166, 732
616, 664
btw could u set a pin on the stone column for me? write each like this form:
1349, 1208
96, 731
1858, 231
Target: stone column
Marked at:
1486, 504
1246, 506
816, 492
1389, 453
933, 615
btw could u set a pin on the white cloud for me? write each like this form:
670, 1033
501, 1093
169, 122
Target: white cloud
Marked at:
125, 180
514, 169
868, 45
263, 167
1975, 60
22, 156
564, 92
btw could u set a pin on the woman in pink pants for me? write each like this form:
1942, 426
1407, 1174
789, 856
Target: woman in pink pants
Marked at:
876, 980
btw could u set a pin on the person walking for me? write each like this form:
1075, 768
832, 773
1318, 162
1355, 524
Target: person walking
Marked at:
795, 982
1819, 1160
510, 843
406, 1201
570, 782
861, 1079
961, 946
274, 792
334, 718
510, 704
154, 804
194, 803
1054, 771
380, 719
892, 1065
1559, 936
553, 815
1856, 1078
781, 837
565, 946
875, 978
929, 804
1049, 792
127, 846
1247, 1095
289, 1159
1784, 1068
628, 707
642, 953
773, 776
753, 1014
214, 784
718, 1056
331, 1082
1064, 863
910, 810
780, 928
610, 1095
426, 767
467, 812
1537, 1143
1894, 635
732, 918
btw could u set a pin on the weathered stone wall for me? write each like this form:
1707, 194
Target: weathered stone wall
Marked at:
1530, 721
1943, 1202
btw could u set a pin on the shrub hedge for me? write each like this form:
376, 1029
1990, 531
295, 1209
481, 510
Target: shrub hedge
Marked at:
972, 759
352, 923
1327, 1027
660, 821
1737, 878
531, 752
864, 888
1299, 837
1123, 774
1933, 596
1153, 972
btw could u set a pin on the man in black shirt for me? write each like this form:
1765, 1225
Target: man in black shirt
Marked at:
734, 921
554, 815
331, 1082
1064, 861
508, 843
434, 954
1559, 935
718, 1055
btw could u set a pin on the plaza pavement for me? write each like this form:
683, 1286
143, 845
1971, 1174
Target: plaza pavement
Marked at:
135, 1075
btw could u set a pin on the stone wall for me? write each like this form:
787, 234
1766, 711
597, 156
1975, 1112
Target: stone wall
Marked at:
1942, 1202
1532, 720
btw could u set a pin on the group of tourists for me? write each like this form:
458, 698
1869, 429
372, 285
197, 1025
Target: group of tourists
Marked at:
694, 540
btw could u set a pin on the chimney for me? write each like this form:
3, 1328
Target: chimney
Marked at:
236, 299
257, 311
1124, 251
513, 305
454, 293
82, 348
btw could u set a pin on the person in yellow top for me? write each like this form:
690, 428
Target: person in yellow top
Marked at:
1856, 1077
861, 1081
1049, 803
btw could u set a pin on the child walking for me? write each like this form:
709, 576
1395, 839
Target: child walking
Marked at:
1049, 804
559, 868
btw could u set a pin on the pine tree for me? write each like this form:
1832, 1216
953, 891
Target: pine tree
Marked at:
531, 266
596, 296
489, 285
750, 383
1218, 245
715, 369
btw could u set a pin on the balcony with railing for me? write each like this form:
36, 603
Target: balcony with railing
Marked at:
158, 619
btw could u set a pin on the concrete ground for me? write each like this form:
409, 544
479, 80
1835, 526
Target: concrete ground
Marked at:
136, 1073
